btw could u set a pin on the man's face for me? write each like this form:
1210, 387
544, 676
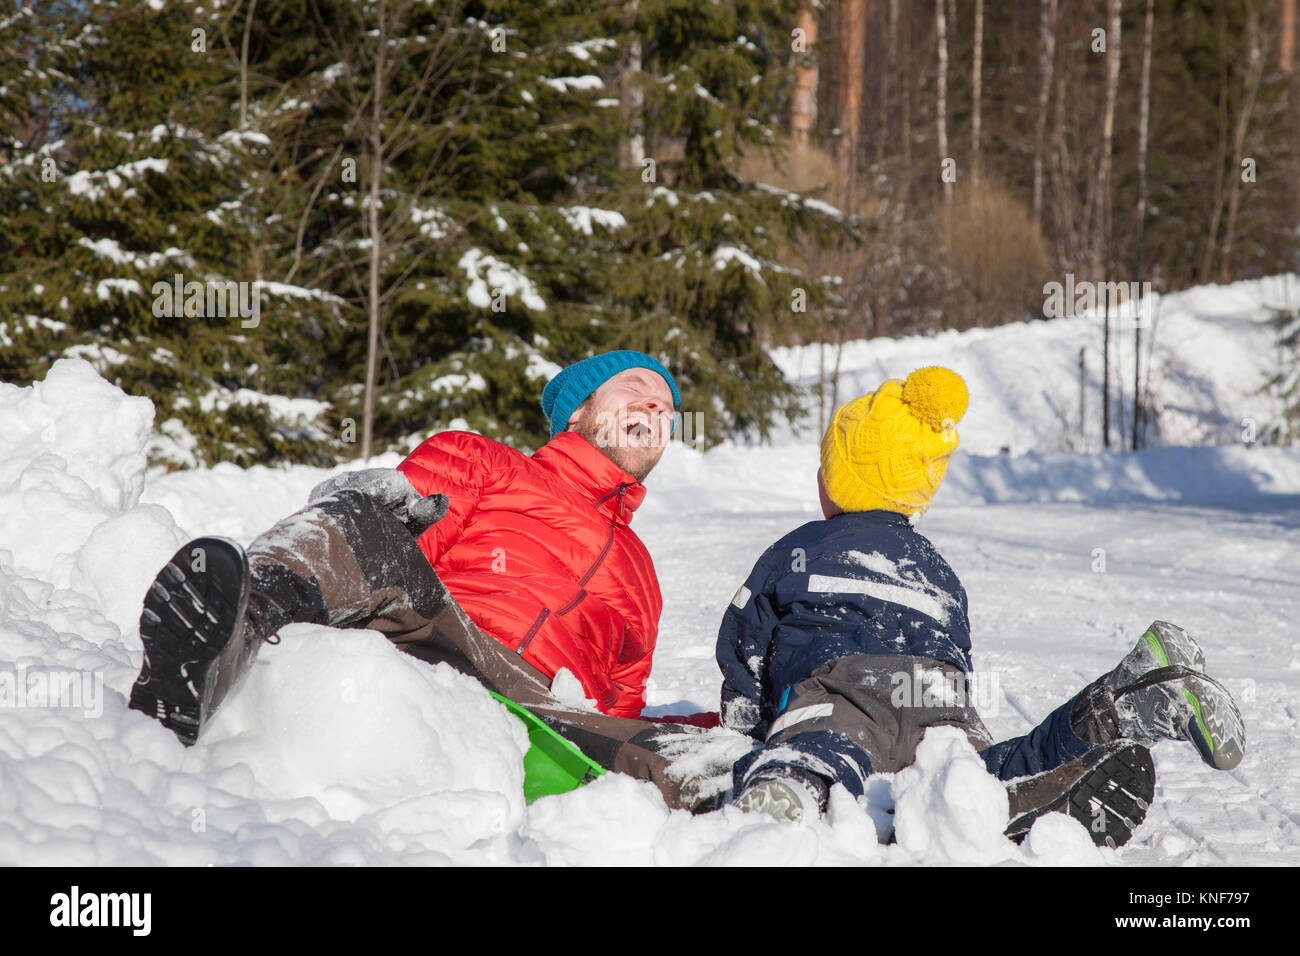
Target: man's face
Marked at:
629, 418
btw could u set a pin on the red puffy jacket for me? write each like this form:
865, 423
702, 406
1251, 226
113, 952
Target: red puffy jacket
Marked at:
539, 554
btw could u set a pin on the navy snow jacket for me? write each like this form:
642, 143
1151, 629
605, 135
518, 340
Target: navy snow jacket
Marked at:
858, 583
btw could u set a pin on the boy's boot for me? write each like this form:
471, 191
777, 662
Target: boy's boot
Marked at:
1160, 691
785, 793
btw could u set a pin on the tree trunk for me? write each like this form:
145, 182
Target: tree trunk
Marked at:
243, 66
976, 91
1066, 228
886, 75
1254, 71
941, 91
803, 106
1101, 222
1216, 205
1144, 118
853, 38
1046, 60
906, 61
1286, 38
632, 94
372, 216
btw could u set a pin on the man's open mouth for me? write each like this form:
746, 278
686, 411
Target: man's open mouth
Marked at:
637, 432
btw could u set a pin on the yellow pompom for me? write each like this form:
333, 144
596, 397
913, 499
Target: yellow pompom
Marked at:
936, 396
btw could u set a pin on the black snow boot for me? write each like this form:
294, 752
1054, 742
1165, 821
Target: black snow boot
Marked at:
196, 635
1108, 790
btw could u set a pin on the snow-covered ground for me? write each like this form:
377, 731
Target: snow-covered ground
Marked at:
338, 749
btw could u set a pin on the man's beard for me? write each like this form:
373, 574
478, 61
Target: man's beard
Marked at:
604, 435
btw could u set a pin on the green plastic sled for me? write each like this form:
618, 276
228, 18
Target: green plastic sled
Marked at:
552, 764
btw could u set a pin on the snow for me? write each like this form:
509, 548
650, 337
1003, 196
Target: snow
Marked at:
498, 277
112, 250
433, 222
338, 749
1207, 367
946, 805
105, 288
564, 84
723, 256
583, 49
581, 218
95, 185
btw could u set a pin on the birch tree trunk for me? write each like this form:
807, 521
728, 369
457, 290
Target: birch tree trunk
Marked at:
1046, 61
632, 94
1144, 118
1101, 223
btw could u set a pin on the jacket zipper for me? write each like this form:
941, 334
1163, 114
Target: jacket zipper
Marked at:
621, 491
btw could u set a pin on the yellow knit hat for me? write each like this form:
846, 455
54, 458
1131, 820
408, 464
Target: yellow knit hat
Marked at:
890, 449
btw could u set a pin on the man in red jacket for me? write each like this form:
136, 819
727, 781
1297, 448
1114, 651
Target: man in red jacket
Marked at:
516, 569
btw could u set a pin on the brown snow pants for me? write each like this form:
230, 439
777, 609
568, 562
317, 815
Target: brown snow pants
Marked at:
346, 561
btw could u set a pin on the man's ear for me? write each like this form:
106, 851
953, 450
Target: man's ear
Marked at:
577, 413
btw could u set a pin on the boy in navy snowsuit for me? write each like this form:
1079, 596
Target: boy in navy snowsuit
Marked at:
851, 635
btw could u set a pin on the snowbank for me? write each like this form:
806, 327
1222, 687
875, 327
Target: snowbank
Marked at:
336, 749
1207, 351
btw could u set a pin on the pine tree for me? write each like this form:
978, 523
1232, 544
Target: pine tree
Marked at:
138, 179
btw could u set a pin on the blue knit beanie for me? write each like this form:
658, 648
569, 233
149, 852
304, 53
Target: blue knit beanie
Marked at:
571, 387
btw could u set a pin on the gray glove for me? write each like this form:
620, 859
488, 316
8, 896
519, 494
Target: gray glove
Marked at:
389, 488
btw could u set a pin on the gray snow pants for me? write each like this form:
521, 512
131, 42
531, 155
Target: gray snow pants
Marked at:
346, 561
865, 713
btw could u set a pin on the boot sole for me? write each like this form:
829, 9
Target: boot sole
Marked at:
776, 800
193, 612
1110, 793
1170, 644
1212, 722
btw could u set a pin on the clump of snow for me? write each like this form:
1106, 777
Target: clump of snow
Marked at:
106, 287
568, 689
947, 805
583, 50
73, 457
112, 250
336, 717
723, 256
581, 218
497, 276
96, 184
433, 222
1056, 839
564, 84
